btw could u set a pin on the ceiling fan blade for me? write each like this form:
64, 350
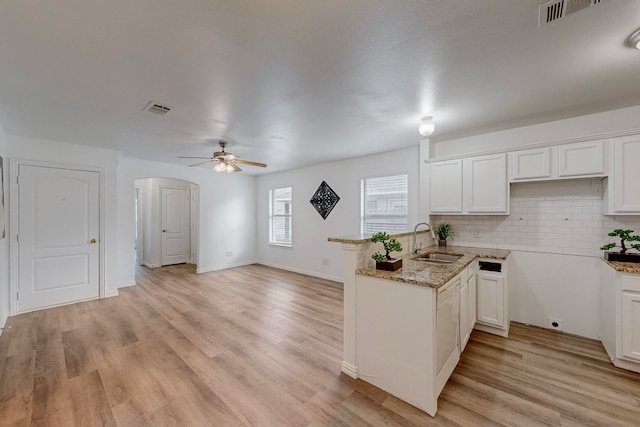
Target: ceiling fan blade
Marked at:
235, 167
186, 157
247, 162
201, 163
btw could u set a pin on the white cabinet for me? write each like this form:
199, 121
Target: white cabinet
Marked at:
631, 325
446, 186
621, 192
581, 159
620, 317
492, 308
530, 164
467, 306
566, 161
474, 185
485, 186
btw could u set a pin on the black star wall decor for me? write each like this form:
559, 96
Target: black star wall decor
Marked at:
324, 200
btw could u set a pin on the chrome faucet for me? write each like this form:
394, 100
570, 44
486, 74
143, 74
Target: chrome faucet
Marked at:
416, 249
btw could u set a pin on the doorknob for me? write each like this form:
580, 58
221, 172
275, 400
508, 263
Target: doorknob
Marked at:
92, 241
164, 231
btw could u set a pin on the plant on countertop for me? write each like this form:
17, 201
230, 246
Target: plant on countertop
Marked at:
443, 230
390, 245
625, 235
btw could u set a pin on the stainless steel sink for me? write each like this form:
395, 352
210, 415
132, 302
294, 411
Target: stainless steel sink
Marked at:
438, 258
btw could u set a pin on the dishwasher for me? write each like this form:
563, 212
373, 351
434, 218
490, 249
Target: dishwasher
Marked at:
447, 322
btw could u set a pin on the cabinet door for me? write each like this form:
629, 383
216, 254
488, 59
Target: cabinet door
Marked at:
485, 184
530, 164
471, 283
446, 186
490, 298
582, 158
631, 325
626, 175
465, 331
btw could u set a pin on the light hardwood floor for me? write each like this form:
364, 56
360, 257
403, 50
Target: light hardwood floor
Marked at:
260, 346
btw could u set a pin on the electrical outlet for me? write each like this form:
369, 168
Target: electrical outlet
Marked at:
229, 254
556, 324
325, 261
476, 234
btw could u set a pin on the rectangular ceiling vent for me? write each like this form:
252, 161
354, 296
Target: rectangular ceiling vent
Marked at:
553, 10
156, 107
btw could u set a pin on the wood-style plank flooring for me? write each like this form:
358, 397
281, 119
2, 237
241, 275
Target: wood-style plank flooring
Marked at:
260, 346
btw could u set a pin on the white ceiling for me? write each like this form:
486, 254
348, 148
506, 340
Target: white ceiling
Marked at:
299, 82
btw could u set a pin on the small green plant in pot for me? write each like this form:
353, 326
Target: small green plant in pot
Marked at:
443, 230
385, 262
623, 256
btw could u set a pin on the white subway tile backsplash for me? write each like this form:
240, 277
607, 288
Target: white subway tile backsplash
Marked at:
557, 217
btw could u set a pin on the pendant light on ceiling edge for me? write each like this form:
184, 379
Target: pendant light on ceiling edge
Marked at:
426, 127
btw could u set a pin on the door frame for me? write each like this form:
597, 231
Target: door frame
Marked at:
14, 165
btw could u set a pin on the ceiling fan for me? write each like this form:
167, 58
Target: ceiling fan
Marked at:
223, 161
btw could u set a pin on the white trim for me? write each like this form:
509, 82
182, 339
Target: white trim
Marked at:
14, 164
350, 370
301, 271
544, 144
112, 293
127, 285
222, 267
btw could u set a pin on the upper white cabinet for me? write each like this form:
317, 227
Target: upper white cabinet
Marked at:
474, 185
582, 158
485, 188
530, 164
578, 160
446, 186
621, 193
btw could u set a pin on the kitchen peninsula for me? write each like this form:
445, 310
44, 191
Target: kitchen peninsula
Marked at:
404, 330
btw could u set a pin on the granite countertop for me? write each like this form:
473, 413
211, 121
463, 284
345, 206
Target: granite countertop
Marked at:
624, 267
430, 274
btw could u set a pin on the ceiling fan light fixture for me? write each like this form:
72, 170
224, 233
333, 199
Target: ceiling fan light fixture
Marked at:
228, 168
634, 39
220, 167
426, 127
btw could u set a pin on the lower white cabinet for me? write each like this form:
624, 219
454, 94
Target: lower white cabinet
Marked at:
468, 305
620, 317
492, 301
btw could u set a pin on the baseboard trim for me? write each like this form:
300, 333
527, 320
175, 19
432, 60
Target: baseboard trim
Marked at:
350, 370
126, 285
301, 271
111, 293
223, 267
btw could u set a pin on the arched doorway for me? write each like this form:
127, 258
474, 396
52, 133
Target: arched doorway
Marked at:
166, 212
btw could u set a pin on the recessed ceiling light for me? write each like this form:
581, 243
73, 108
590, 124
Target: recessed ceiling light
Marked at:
634, 39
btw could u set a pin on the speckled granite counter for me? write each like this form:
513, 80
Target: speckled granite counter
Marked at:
623, 267
362, 238
424, 273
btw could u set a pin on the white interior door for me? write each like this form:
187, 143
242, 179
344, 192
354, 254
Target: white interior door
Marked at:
58, 231
175, 225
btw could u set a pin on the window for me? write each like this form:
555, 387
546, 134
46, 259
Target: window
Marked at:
280, 216
384, 204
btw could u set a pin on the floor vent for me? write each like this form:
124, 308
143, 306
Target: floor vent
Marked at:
553, 10
157, 108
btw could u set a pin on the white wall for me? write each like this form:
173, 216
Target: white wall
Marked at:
4, 243
19, 147
575, 127
227, 214
310, 231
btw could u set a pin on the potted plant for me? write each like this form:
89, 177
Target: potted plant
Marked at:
385, 262
622, 256
443, 230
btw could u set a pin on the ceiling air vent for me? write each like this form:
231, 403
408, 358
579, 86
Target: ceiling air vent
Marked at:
157, 108
555, 9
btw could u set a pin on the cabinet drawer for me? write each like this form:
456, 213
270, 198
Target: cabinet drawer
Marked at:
631, 283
